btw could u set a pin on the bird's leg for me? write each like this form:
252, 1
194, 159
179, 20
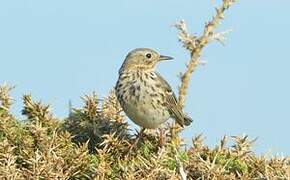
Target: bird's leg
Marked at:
161, 137
140, 135
138, 138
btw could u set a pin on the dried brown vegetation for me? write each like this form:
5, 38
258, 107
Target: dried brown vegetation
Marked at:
95, 141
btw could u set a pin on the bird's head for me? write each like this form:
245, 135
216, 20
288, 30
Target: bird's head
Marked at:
142, 58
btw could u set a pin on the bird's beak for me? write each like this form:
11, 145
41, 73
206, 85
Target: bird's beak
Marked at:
162, 58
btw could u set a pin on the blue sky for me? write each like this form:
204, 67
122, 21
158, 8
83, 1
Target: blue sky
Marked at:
61, 50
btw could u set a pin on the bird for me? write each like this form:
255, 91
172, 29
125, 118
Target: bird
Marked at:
144, 95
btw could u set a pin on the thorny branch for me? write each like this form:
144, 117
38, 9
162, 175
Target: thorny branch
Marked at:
196, 44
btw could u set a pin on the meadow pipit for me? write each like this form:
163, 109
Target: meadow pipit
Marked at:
144, 95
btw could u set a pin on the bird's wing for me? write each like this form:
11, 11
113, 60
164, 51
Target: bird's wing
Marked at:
171, 102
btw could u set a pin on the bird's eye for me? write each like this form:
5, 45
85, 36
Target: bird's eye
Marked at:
148, 55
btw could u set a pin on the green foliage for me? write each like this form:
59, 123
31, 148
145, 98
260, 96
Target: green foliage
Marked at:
232, 164
94, 142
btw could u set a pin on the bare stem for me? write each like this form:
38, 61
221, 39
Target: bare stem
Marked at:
195, 45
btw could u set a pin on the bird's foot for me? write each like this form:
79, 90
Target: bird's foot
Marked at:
139, 137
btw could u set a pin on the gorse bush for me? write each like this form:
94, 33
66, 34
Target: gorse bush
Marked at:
95, 142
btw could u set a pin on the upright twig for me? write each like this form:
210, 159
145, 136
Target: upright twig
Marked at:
5, 99
196, 44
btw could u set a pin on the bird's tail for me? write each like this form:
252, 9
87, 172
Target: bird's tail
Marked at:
184, 121
187, 120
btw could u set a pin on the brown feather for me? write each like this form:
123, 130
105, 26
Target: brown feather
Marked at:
171, 102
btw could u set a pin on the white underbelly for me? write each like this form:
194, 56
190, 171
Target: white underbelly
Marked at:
145, 115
